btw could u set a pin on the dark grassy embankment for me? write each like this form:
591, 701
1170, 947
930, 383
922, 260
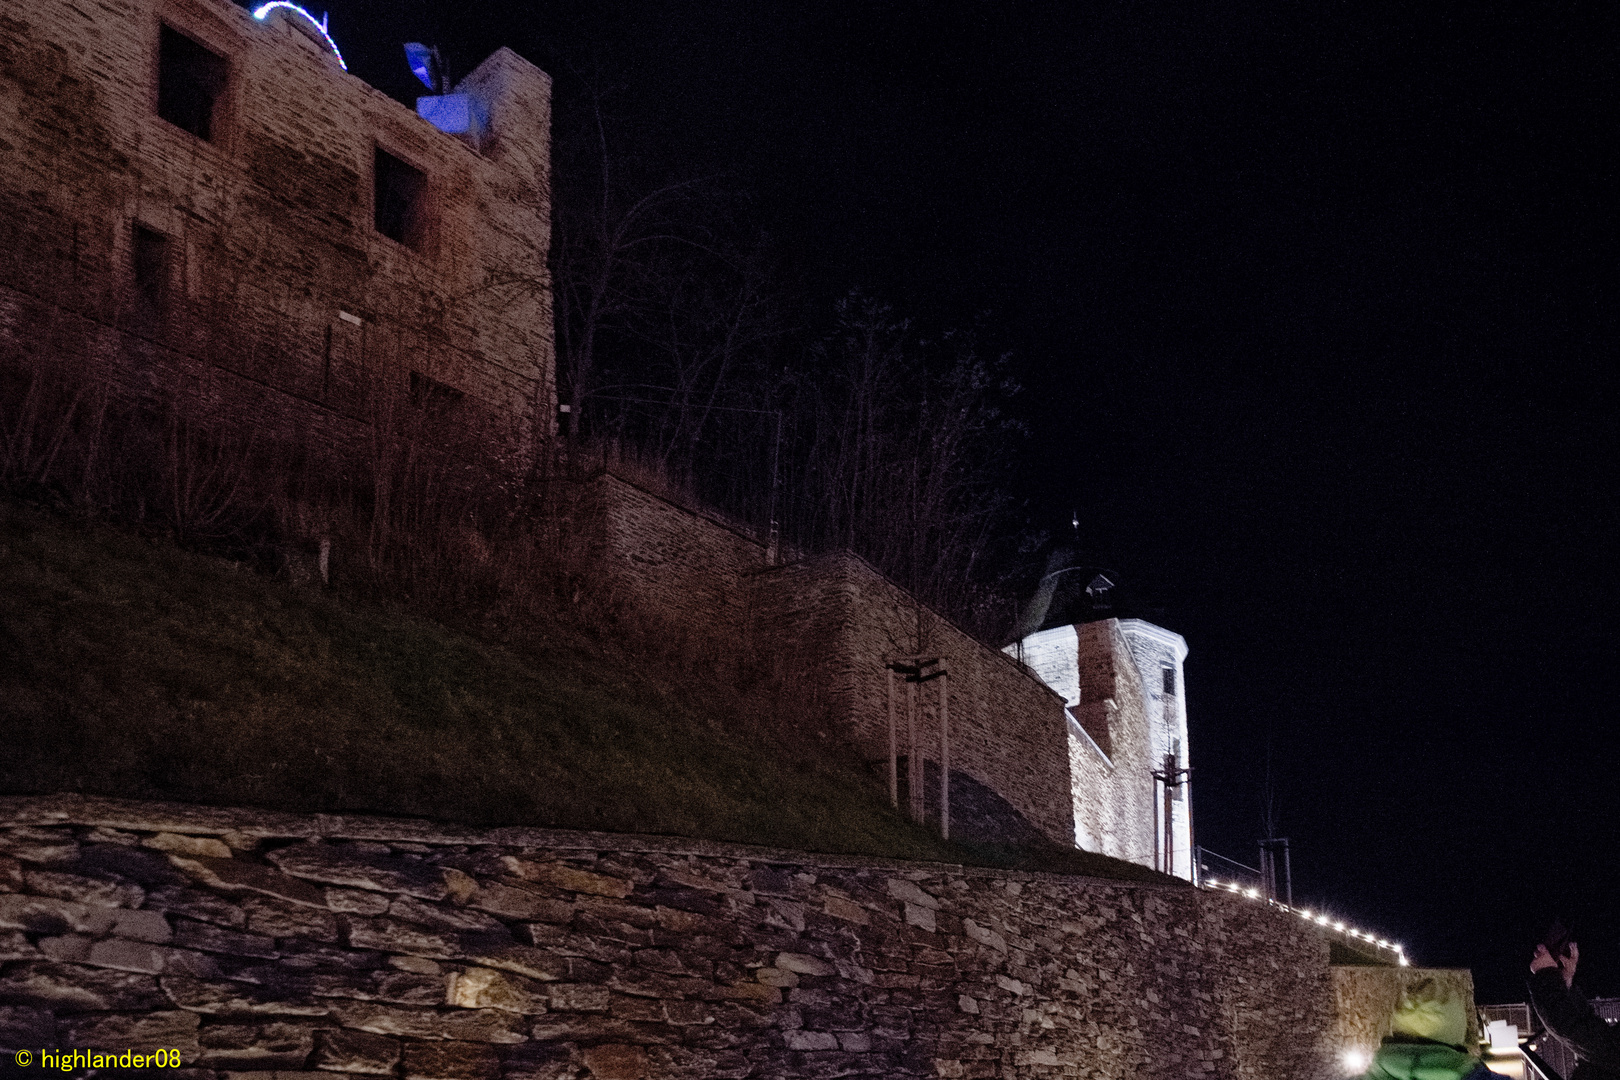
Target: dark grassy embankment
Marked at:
129, 667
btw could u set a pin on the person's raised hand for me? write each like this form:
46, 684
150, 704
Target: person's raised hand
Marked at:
1542, 960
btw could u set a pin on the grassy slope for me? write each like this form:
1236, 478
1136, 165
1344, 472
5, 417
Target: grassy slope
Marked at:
131, 668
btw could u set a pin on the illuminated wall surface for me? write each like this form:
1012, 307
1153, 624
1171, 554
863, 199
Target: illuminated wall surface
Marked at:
310, 945
1121, 722
201, 201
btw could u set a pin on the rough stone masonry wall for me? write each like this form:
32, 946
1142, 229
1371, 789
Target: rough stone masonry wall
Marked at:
1114, 800
1007, 727
269, 228
812, 637
322, 945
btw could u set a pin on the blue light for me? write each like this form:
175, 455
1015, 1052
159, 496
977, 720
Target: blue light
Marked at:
265, 9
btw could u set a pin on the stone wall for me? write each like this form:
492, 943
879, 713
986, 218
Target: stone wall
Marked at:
268, 293
1364, 1001
1113, 798
257, 942
812, 637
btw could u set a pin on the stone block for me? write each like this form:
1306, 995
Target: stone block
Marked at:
911, 893
335, 865
221, 998
205, 937
804, 964
485, 988
127, 956
615, 1061
98, 891
849, 910
398, 987
74, 988
239, 875
578, 997
448, 919
179, 844
196, 904
275, 918
515, 902
568, 878
356, 1052
356, 901
468, 1025
273, 1045
143, 1032
449, 1061
390, 935
810, 1040
524, 960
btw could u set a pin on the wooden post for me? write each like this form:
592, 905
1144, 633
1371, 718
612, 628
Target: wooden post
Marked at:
913, 770
945, 757
894, 769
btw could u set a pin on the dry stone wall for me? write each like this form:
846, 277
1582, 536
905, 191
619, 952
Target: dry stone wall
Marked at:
268, 295
319, 945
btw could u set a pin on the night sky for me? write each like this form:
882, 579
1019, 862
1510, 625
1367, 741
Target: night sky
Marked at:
1315, 306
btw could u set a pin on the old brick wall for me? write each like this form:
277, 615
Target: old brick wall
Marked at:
255, 942
268, 227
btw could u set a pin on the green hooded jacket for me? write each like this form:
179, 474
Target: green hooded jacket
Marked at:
1423, 1060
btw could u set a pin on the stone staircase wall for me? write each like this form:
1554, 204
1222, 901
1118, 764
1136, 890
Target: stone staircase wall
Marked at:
317, 946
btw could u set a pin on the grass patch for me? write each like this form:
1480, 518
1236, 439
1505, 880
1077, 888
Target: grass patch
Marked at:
131, 668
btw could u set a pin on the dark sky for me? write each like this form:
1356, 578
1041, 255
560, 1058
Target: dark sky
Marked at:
1316, 309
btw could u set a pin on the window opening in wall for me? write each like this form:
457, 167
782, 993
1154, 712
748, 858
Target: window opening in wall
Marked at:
431, 394
191, 80
151, 264
1170, 681
1175, 757
399, 199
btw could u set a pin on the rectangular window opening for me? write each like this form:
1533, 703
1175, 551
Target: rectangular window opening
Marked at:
191, 80
151, 264
432, 395
1170, 681
399, 199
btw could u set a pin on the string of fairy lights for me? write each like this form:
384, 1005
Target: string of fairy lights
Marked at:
1318, 918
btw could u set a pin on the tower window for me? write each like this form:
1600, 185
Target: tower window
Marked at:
150, 255
399, 199
191, 80
1170, 681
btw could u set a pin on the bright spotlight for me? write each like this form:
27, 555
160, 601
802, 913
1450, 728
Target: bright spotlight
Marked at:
1356, 1061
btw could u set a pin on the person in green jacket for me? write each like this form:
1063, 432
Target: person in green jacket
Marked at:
1428, 1038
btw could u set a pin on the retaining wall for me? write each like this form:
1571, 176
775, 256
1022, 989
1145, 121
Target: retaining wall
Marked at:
257, 942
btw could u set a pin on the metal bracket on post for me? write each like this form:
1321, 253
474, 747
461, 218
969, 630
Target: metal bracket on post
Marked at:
1171, 777
917, 670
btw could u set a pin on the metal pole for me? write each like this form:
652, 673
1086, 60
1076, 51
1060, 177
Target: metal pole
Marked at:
1158, 832
913, 772
945, 757
1197, 852
1288, 873
1169, 816
894, 770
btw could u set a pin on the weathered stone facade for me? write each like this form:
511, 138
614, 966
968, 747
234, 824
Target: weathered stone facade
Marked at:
257, 942
244, 261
